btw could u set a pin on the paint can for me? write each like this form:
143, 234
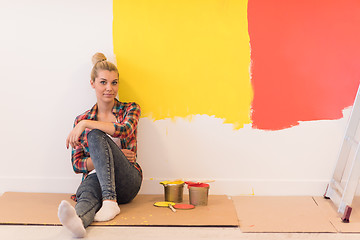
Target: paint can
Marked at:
173, 191
198, 194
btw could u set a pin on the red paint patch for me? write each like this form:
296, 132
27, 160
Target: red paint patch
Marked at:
305, 60
196, 184
184, 206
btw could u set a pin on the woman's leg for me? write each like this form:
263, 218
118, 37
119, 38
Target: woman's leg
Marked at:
119, 179
102, 158
89, 199
70, 220
127, 178
88, 202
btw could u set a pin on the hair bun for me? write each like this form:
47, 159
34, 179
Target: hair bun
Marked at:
98, 57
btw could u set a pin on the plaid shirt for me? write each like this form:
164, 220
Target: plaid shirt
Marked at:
127, 116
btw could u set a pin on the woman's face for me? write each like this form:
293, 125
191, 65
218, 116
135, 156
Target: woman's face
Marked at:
106, 85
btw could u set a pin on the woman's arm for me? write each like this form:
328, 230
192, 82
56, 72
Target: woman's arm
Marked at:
85, 164
128, 154
89, 165
130, 122
73, 138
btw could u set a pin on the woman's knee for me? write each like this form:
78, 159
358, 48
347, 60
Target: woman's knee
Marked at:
89, 188
94, 135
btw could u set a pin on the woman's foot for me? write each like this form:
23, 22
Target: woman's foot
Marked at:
70, 220
108, 211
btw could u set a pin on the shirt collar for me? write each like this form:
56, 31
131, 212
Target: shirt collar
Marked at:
116, 107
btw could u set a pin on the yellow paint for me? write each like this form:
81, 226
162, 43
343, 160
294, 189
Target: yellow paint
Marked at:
163, 204
172, 182
250, 194
180, 58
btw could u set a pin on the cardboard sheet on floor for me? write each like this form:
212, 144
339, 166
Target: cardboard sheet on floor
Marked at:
31, 208
281, 214
41, 208
328, 208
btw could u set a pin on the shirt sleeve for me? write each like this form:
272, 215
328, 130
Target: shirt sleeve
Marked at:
78, 160
130, 122
78, 157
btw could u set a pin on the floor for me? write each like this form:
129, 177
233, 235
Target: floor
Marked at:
15, 232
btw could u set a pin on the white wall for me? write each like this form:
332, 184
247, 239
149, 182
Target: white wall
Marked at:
46, 50
295, 161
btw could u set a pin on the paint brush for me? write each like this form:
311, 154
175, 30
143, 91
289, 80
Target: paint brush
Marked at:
207, 181
172, 208
199, 182
166, 204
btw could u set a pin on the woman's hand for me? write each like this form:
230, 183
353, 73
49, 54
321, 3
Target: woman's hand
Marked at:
130, 155
74, 135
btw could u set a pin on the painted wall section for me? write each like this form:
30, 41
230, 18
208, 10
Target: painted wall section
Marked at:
305, 60
182, 58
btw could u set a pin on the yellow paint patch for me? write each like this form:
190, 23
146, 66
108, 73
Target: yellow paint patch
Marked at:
183, 57
172, 182
163, 204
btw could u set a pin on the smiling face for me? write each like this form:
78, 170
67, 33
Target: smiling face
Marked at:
106, 86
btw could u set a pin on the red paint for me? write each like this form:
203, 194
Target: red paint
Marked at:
184, 206
305, 60
196, 184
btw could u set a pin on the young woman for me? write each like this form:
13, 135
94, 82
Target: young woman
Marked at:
104, 150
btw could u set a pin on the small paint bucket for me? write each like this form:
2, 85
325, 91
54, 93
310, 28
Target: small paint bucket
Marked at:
198, 194
173, 191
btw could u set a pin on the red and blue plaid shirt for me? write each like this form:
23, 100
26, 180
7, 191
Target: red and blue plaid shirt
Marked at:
127, 116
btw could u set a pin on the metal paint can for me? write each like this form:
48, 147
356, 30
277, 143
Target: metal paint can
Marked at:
174, 191
198, 194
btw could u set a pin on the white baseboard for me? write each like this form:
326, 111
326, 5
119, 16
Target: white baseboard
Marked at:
232, 187
38, 184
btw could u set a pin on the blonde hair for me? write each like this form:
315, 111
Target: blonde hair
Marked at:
100, 63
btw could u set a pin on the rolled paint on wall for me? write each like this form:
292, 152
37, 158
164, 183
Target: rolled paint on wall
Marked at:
183, 58
305, 60
179, 59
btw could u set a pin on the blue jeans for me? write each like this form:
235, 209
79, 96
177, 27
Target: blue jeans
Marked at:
115, 178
